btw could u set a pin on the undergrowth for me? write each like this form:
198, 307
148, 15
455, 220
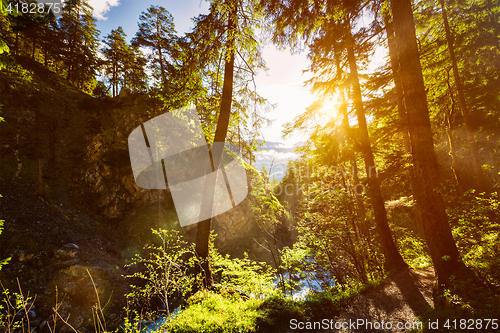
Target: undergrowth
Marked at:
473, 297
229, 311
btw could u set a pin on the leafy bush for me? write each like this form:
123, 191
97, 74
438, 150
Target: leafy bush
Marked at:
14, 311
473, 293
250, 277
211, 312
166, 272
414, 251
3, 262
475, 220
469, 300
278, 310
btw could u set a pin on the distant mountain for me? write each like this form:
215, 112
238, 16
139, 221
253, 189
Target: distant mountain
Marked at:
275, 156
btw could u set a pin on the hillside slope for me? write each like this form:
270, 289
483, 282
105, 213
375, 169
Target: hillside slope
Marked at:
70, 201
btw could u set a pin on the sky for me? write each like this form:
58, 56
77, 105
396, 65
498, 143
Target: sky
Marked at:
282, 84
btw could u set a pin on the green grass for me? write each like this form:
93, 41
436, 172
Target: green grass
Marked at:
227, 311
211, 312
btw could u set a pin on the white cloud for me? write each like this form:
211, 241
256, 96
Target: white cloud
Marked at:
101, 7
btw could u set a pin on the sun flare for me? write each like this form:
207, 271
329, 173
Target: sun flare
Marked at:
328, 111
330, 105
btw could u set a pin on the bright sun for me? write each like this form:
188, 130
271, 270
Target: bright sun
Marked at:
329, 110
330, 105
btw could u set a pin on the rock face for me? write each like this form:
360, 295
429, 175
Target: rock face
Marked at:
242, 230
108, 176
90, 215
235, 228
110, 185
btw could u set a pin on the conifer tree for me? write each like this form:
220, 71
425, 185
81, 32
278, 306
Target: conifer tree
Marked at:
157, 33
481, 184
77, 28
435, 225
297, 22
134, 64
225, 43
115, 51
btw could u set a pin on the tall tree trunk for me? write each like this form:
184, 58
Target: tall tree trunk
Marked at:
33, 48
481, 183
393, 260
204, 227
16, 44
115, 74
45, 55
451, 140
453, 154
360, 205
160, 53
435, 225
359, 202
398, 85
72, 50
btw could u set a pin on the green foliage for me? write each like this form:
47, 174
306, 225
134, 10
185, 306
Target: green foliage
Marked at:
115, 51
14, 308
331, 230
414, 251
210, 312
4, 48
134, 321
100, 91
296, 261
211, 43
469, 301
165, 272
77, 29
327, 304
475, 34
267, 208
473, 293
228, 312
3, 262
476, 227
250, 277
278, 310
157, 33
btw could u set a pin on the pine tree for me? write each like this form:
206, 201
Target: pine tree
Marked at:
4, 30
435, 225
77, 28
116, 52
225, 43
157, 33
300, 22
475, 42
481, 184
134, 76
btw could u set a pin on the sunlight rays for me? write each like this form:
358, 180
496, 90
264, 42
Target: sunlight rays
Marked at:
326, 111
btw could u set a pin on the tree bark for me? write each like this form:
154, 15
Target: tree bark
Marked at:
345, 123
204, 227
481, 183
455, 168
160, 54
393, 260
435, 225
72, 50
398, 86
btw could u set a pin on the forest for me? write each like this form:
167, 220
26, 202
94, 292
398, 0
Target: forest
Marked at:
389, 219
